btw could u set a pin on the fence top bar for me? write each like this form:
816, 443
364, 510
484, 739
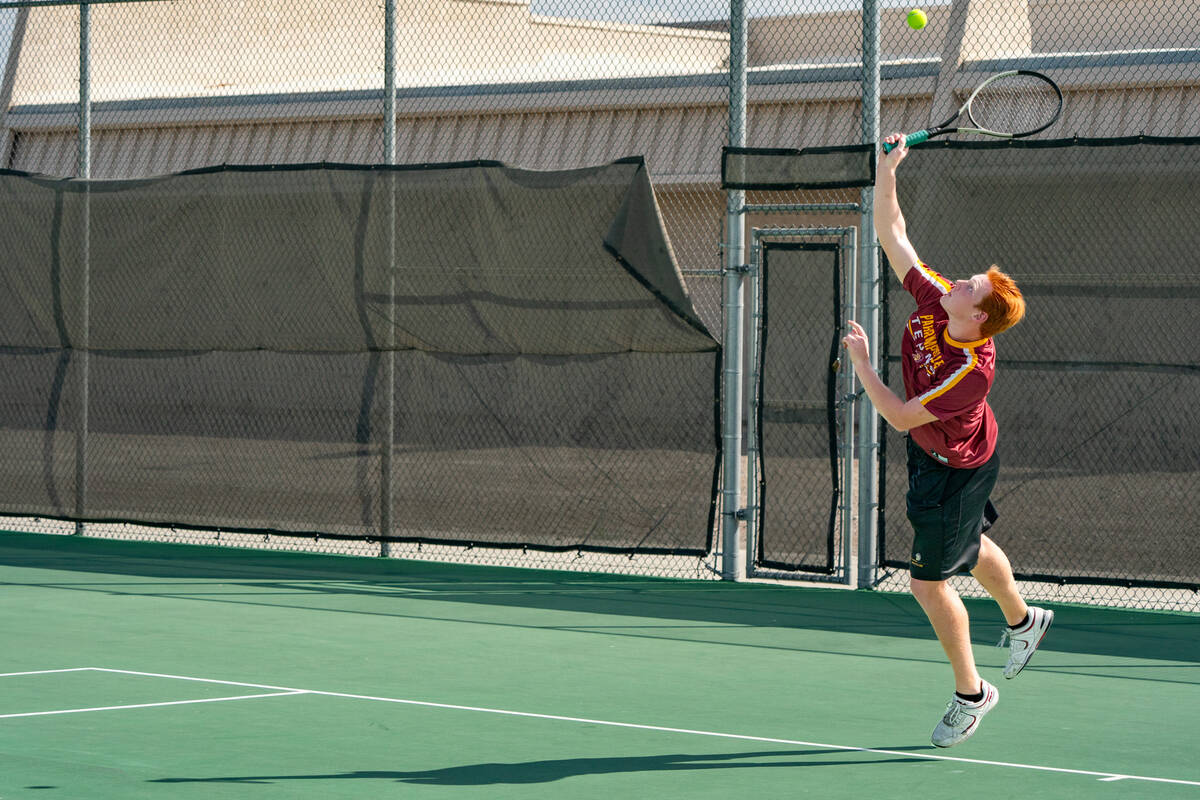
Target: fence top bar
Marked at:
769, 208
761, 233
35, 3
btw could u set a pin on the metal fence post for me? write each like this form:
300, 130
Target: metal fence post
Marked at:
389, 152
868, 307
733, 561
84, 171
847, 414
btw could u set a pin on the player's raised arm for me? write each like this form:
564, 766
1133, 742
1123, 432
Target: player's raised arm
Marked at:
889, 221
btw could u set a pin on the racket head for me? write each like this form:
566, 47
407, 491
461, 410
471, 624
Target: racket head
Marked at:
1015, 103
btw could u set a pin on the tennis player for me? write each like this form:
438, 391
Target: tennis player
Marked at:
948, 363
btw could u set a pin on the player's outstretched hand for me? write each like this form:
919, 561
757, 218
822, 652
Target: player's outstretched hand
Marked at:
856, 343
899, 151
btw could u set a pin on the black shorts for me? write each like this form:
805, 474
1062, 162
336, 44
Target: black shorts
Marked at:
949, 509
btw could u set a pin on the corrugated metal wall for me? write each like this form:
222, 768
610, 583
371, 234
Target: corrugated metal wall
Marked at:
678, 142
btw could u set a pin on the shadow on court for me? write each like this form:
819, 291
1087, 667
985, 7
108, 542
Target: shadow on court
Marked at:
559, 769
387, 587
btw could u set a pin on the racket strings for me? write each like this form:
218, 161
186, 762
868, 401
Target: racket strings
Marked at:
1014, 104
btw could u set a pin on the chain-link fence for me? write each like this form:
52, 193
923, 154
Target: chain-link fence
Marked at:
195, 83
1071, 441
226, 353
182, 85
561, 84
1095, 391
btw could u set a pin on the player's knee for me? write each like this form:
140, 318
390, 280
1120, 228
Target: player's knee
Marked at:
921, 588
989, 554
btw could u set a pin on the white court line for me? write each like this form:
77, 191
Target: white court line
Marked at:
147, 705
1107, 776
43, 672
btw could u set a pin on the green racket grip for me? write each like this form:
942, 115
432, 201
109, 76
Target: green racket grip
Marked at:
910, 140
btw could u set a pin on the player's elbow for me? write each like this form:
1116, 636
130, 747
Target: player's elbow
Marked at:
909, 417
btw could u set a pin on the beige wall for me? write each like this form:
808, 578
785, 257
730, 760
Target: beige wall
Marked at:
836, 37
181, 49
1081, 25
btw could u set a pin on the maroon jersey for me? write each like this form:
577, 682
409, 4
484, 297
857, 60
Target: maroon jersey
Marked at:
951, 378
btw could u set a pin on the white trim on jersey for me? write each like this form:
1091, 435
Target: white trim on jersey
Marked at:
930, 277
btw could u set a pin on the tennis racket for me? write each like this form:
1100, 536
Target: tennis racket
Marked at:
1008, 105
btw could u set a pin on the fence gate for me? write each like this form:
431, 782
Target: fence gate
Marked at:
801, 429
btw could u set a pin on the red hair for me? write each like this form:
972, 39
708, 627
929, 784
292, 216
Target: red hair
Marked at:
1005, 306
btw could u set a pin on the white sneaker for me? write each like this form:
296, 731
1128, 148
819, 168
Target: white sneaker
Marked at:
962, 718
1023, 643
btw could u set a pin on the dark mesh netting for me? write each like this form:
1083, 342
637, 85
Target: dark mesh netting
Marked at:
552, 384
798, 486
810, 168
1096, 391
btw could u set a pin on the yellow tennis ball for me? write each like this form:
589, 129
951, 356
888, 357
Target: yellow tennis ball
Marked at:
917, 19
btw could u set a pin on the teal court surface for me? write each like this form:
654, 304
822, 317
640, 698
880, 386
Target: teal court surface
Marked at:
135, 670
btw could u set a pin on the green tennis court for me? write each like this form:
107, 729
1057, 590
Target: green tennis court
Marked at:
135, 670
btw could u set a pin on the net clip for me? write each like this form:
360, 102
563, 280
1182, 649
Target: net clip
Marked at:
740, 269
